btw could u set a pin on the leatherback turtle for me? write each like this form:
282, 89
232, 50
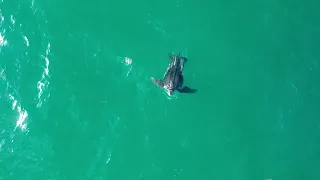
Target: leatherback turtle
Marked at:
173, 77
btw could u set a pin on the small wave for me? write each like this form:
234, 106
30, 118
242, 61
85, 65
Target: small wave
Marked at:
44, 82
22, 113
3, 41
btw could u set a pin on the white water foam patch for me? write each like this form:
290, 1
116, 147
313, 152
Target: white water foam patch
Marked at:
43, 82
26, 39
3, 41
22, 113
127, 62
13, 21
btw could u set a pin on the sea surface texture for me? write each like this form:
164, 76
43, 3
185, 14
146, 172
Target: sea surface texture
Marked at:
77, 102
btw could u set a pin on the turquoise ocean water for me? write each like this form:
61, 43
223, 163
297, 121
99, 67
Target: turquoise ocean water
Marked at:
76, 100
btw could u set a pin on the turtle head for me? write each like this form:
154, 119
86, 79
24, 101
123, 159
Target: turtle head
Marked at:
170, 88
170, 91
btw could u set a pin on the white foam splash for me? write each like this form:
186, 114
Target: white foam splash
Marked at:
12, 20
127, 62
3, 42
40, 86
32, 4
43, 81
26, 39
47, 60
23, 114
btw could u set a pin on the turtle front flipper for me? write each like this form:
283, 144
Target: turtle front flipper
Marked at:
157, 82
